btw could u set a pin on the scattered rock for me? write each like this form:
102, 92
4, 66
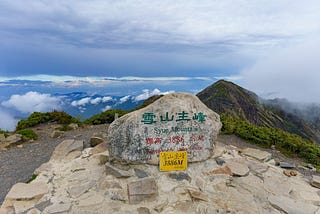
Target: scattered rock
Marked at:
66, 147
289, 205
139, 137
290, 173
220, 161
118, 173
140, 173
78, 189
102, 147
56, 134
315, 181
312, 168
197, 195
95, 140
58, 208
73, 125
257, 154
237, 167
179, 176
286, 165
223, 170
13, 140
142, 189
143, 210
33, 211
22, 191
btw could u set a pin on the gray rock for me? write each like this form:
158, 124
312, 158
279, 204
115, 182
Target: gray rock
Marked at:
66, 147
197, 195
118, 173
22, 191
95, 140
286, 165
289, 205
177, 121
237, 167
140, 173
220, 161
73, 125
315, 181
142, 189
77, 190
312, 168
58, 208
257, 154
179, 176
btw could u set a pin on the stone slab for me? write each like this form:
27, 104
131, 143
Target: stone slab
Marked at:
22, 191
257, 154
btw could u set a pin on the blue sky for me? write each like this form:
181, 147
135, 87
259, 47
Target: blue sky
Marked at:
120, 47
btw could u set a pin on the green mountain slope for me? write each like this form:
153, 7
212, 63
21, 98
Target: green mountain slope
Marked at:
228, 98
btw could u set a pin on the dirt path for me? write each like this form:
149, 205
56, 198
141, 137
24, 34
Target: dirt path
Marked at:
18, 164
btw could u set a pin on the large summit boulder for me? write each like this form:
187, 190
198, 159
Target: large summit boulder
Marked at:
177, 121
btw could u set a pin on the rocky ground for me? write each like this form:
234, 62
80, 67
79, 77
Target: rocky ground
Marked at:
237, 179
18, 163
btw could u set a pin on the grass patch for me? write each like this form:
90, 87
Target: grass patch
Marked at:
33, 177
28, 134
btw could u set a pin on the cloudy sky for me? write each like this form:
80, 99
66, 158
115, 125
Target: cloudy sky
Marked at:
268, 46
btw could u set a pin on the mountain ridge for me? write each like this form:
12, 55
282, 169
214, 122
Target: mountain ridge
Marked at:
228, 98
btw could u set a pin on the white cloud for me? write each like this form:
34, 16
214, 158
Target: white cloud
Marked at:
33, 101
125, 99
291, 73
7, 121
146, 94
106, 99
106, 108
81, 102
96, 101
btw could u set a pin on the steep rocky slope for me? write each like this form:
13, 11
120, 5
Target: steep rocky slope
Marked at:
228, 98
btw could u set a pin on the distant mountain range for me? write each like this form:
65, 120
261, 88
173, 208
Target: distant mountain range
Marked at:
224, 98
228, 98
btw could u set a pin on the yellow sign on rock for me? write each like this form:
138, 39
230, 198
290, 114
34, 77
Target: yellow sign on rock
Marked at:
173, 160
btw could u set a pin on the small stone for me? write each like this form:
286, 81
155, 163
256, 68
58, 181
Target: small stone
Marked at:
286, 165
118, 173
95, 140
180, 176
290, 173
183, 206
142, 189
257, 154
140, 173
56, 134
197, 195
143, 210
315, 181
220, 161
22, 191
86, 153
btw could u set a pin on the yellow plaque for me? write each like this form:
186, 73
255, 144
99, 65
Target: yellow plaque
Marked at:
173, 160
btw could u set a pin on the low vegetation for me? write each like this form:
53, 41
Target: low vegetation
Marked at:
39, 117
105, 117
28, 134
5, 133
289, 144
